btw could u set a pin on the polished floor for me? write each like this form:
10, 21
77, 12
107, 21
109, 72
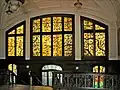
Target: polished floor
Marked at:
24, 87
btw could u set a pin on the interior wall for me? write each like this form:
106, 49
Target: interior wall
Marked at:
15, 18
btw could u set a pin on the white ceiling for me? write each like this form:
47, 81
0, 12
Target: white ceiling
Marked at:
110, 8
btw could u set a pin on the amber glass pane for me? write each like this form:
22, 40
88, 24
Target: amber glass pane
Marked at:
57, 24
100, 44
46, 45
98, 27
68, 45
36, 45
11, 46
102, 69
46, 24
12, 32
19, 30
67, 24
36, 25
88, 44
88, 25
95, 69
57, 45
19, 46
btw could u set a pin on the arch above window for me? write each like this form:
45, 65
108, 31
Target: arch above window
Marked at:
54, 67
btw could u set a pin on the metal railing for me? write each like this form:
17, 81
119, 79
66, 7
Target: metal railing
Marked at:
70, 80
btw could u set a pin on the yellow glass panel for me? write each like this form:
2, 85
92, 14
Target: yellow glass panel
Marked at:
88, 44
68, 45
12, 32
10, 67
57, 24
46, 45
20, 30
36, 45
11, 46
88, 25
95, 69
67, 24
15, 69
97, 27
46, 24
19, 46
36, 25
57, 45
102, 69
100, 44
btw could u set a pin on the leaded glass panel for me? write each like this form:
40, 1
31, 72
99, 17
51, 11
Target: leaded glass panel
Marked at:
88, 25
68, 45
12, 32
57, 24
46, 24
67, 24
11, 46
19, 46
98, 27
36, 45
46, 45
88, 44
36, 25
100, 44
20, 30
57, 45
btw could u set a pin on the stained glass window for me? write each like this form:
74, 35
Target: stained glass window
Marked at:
52, 35
98, 80
94, 38
15, 40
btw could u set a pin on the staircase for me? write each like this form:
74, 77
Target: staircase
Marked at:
24, 87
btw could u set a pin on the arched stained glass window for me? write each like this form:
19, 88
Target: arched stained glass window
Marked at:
94, 39
52, 35
47, 74
12, 68
16, 41
98, 81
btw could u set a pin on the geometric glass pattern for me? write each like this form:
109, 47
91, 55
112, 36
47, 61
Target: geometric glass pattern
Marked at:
94, 38
15, 40
47, 73
52, 35
98, 81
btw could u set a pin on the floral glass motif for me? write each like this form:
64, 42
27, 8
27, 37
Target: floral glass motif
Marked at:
11, 46
57, 45
88, 44
57, 24
46, 45
68, 45
98, 81
36, 45
19, 46
98, 27
12, 32
88, 25
67, 24
46, 24
36, 25
19, 30
100, 44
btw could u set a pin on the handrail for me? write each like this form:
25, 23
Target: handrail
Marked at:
37, 79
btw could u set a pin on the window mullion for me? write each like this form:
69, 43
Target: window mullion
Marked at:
51, 36
40, 37
94, 38
62, 36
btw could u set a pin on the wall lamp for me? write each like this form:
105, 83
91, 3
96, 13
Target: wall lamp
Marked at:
13, 5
